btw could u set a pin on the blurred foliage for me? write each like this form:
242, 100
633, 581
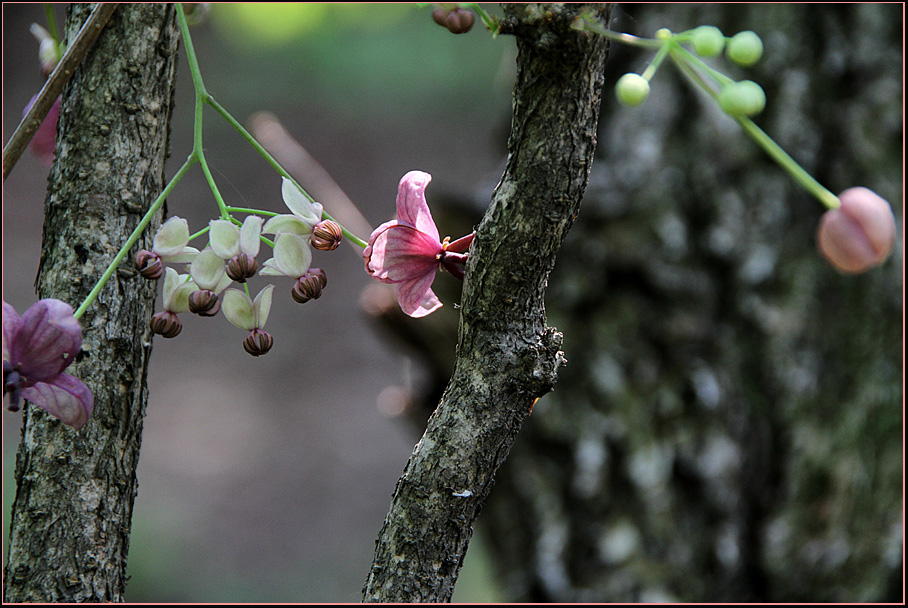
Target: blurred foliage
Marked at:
356, 57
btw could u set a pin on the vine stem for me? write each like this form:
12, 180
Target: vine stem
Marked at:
802, 177
136, 233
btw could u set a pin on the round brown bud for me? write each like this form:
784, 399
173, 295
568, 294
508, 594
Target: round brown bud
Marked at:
241, 267
458, 20
166, 324
149, 264
308, 287
258, 342
318, 272
859, 234
326, 235
204, 303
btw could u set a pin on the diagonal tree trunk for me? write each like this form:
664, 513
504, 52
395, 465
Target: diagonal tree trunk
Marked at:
72, 513
507, 356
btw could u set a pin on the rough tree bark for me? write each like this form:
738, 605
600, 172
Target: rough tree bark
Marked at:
507, 356
69, 532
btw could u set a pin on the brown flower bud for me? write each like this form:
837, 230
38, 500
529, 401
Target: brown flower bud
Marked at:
241, 267
457, 20
258, 342
859, 234
204, 303
326, 235
166, 324
309, 287
318, 272
149, 264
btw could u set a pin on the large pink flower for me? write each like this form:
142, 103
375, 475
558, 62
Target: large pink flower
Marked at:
37, 347
407, 251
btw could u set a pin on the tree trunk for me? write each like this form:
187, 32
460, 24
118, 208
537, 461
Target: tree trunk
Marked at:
729, 425
72, 513
507, 357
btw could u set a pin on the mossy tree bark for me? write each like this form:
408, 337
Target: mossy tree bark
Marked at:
72, 513
507, 356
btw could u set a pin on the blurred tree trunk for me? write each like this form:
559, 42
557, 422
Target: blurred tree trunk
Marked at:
69, 532
728, 426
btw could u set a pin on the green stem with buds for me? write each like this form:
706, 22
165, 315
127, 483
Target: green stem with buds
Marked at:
802, 177
693, 68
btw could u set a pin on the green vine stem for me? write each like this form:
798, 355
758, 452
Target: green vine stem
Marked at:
802, 177
136, 233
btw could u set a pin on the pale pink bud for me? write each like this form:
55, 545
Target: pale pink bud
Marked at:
859, 234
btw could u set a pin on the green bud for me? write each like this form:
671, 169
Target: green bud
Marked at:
708, 41
745, 98
663, 33
744, 48
632, 89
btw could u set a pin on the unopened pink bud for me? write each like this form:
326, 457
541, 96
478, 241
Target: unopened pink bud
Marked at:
859, 234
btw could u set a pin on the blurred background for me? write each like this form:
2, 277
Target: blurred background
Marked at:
268, 478
729, 424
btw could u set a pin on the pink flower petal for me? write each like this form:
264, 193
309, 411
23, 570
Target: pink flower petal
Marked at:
47, 341
416, 297
10, 326
412, 207
399, 252
65, 397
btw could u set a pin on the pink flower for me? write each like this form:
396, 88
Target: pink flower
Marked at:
45, 138
859, 234
407, 251
37, 347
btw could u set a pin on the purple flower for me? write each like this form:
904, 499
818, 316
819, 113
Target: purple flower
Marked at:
37, 347
45, 138
407, 251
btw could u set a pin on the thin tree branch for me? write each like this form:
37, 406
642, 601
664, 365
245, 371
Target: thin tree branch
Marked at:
506, 355
54, 85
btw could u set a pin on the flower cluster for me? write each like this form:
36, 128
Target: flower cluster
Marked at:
231, 256
37, 347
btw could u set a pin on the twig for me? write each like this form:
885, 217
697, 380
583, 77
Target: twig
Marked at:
54, 85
